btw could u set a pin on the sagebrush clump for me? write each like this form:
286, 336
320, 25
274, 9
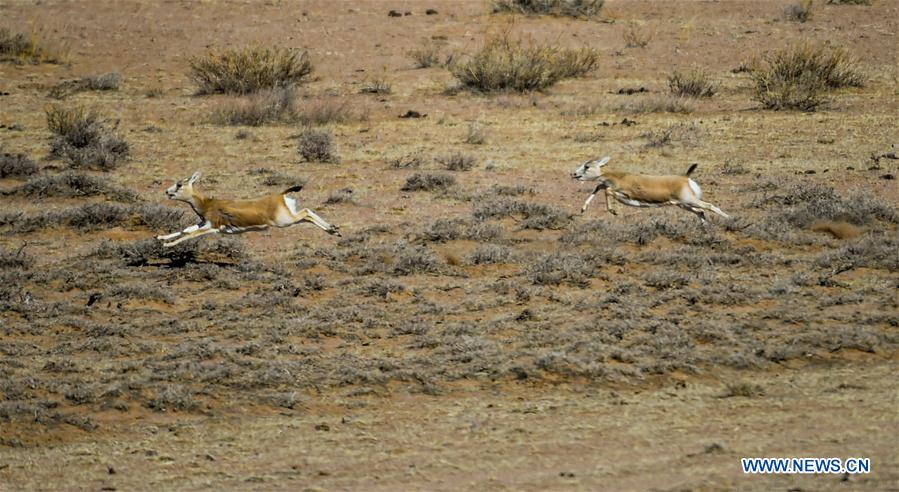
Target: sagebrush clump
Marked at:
507, 63
567, 8
85, 139
797, 77
695, 83
246, 70
316, 146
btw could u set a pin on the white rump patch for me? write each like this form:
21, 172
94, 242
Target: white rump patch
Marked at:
291, 204
695, 188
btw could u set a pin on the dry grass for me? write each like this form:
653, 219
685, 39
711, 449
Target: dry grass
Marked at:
106, 82
801, 11
284, 105
16, 165
505, 63
72, 184
695, 83
797, 77
456, 161
427, 55
429, 182
17, 47
658, 104
849, 2
84, 139
247, 70
636, 37
566, 8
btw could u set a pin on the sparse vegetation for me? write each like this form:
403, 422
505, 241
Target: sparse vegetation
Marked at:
429, 182
658, 104
283, 105
456, 162
377, 85
567, 8
84, 139
72, 184
101, 215
476, 134
24, 48
247, 70
16, 165
695, 83
506, 63
798, 76
636, 37
315, 145
800, 11
427, 55
106, 82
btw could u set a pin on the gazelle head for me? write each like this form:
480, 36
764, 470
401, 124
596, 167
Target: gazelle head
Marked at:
590, 170
183, 190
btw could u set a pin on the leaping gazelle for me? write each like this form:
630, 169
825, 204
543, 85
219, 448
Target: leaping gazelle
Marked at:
236, 216
641, 190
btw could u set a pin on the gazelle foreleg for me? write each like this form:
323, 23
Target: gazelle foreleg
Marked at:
591, 197
196, 233
178, 233
711, 208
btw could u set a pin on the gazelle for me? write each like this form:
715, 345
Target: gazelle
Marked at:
236, 216
641, 190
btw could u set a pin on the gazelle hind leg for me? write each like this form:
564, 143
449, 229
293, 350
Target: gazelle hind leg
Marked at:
711, 208
309, 215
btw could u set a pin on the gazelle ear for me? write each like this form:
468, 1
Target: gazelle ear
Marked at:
193, 179
602, 162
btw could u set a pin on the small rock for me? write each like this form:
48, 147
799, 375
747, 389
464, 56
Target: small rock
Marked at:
888, 176
394, 13
413, 114
322, 427
430, 12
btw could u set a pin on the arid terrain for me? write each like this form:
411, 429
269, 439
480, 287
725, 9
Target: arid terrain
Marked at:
470, 329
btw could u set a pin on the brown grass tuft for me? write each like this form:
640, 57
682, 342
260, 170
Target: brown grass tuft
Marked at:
246, 70
505, 63
562, 8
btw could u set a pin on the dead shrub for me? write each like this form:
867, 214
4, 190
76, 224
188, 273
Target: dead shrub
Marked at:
377, 85
15, 259
658, 104
17, 47
106, 82
73, 184
284, 105
428, 55
800, 11
695, 83
151, 251
797, 77
489, 254
429, 182
317, 146
686, 134
635, 37
246, 70
84, 139
743, 389
456, 162
566, 8
505, 63
16, 165
558, 268
443, 229
102, 215
849, 2
415, 259
476, 134
532, 215
173, 397
340, 196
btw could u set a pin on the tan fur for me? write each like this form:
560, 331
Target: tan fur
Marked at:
241, 213
236, 216
839, 230
646, 188
641, 190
